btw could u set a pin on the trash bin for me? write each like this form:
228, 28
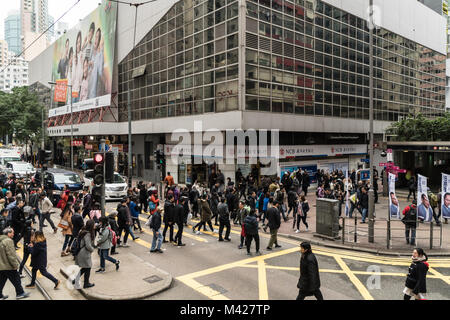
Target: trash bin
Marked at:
327, 218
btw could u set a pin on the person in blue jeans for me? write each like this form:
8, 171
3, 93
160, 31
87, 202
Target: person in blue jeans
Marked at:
364, 203
104, 243
155, 225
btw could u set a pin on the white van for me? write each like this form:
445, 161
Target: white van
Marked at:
8, 156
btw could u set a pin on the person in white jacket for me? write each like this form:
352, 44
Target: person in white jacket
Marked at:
45, 206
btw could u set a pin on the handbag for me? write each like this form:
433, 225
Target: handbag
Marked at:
63, 224
152, 205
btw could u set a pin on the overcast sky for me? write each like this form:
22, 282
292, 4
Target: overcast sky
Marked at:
56, 9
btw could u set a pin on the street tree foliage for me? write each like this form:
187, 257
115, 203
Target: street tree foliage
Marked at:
21, 114
420, 128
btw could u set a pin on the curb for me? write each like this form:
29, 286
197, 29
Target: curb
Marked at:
92, 296
381, 252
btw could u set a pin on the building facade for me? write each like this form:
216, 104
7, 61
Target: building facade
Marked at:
301, 67
3, 52
15, 73
13, 32
34, 21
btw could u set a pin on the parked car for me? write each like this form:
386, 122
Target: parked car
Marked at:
55, 179
8, 156
20, 169
116, 190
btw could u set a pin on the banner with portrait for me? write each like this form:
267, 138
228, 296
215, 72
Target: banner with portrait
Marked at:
394, 207
347, 203
83, 58
424, 210
445, 196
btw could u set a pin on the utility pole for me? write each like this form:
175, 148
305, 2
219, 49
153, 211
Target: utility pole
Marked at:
372, 180
71, 129
130, 153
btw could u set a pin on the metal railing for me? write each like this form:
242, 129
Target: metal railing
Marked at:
393, 232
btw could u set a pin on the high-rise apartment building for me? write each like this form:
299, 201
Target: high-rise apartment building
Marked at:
13, 32
14, 73
34, 21
3, 53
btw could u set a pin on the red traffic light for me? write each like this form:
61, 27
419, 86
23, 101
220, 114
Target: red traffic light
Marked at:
98, 158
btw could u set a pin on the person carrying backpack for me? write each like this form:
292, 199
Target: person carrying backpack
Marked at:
83, 256
251, 232
410, 221
104, 243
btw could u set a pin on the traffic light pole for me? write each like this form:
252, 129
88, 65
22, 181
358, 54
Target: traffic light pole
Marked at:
103, 201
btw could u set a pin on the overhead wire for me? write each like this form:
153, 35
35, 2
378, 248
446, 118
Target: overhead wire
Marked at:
43, 33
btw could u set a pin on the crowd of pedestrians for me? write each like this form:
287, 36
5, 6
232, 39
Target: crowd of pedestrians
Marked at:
252, 204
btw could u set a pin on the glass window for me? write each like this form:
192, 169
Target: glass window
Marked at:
232, 56
251, 56
233, 10
251, 103
232, 26
220, 45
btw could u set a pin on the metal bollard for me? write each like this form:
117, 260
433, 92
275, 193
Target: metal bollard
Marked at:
388, 236
343, 230
431, 235
356, 228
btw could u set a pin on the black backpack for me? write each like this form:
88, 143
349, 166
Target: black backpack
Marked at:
410, 217
76, 246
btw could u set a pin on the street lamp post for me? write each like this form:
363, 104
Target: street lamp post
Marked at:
52, 83
372, 180
130, 154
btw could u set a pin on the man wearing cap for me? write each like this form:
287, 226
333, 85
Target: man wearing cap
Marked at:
273, 215
309, 282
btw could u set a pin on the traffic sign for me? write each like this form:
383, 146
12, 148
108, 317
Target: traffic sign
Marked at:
365, 160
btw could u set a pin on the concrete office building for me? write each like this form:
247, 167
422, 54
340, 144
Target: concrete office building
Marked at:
298, 66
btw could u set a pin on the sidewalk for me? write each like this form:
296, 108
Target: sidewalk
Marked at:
136, 278
398, 241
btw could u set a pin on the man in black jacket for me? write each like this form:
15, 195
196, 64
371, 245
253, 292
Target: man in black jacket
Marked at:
179, 220
18, 221
305, 182
168, 218
155, 225
34, 204
87, 202
273, 215
309, 282
251, 232
143, 196
292, 195
123, 222
3, 220
364, 203
224, 219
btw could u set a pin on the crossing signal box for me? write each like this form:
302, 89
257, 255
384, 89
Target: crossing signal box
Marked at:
99, 178
109, 167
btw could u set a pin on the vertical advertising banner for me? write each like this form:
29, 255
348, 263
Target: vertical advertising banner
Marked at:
61, 91
347, 205
424, 210
394, 208
445, 209
84, 59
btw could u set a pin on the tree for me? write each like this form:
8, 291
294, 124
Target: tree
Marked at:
21, 114
420, 128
